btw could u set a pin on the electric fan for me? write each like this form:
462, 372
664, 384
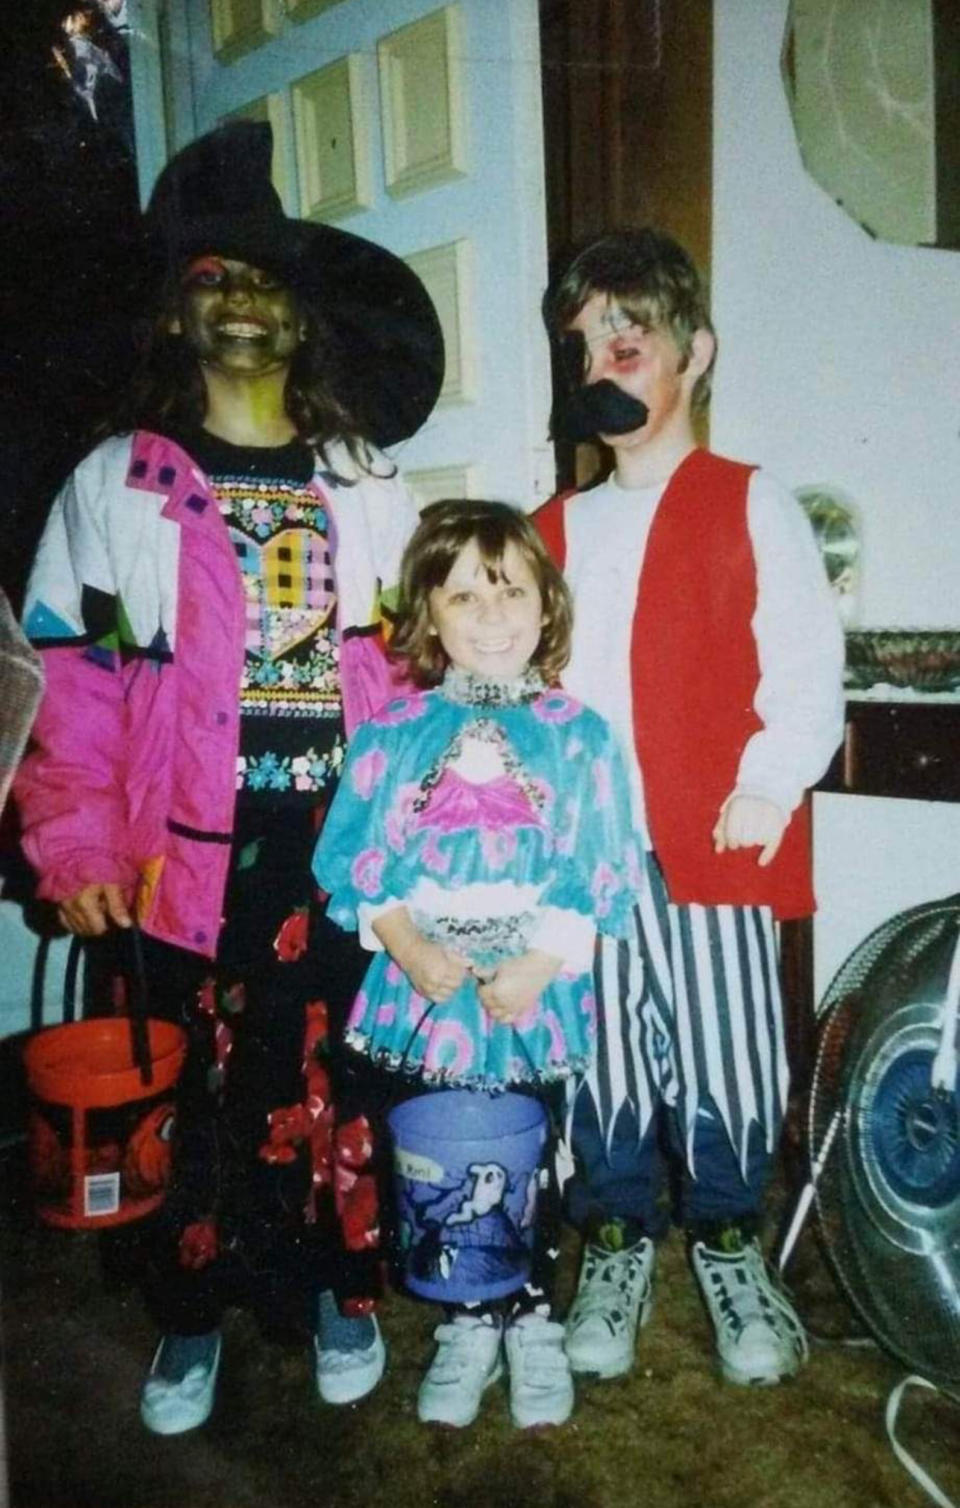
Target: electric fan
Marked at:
885, 1135
884, 1139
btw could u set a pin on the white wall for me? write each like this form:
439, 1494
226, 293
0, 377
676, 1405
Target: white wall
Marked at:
18, 950
872, 859
839, 355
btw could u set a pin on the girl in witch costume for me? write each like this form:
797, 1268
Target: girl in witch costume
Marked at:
479, 840
209, 599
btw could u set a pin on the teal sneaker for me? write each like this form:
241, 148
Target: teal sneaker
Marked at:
346, 1376
178, 1392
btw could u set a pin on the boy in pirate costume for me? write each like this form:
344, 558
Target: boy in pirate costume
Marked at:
706, 635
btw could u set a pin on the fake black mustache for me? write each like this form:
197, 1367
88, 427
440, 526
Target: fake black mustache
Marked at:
597, 408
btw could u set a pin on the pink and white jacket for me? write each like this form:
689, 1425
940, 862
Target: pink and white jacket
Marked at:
136, 604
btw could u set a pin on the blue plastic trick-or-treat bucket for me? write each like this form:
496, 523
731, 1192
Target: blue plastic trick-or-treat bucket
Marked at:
467, 1170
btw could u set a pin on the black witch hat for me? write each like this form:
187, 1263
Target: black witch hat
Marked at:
216, 196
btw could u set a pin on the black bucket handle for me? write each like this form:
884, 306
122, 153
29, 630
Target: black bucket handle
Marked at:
138, 1011
556, 1130
38, 980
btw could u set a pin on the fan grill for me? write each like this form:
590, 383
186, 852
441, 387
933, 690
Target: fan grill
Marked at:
911, 930
888, 1197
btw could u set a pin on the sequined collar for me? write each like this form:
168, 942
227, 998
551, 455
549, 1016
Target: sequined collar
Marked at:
471, 690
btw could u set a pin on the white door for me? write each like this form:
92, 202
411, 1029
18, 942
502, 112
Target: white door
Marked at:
419, 126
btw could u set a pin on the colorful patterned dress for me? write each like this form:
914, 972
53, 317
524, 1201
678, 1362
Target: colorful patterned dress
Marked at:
498, 814
272, 1194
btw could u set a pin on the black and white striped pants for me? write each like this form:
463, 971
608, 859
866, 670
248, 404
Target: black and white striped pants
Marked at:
689, 1015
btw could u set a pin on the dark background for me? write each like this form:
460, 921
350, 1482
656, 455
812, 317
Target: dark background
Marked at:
68, 259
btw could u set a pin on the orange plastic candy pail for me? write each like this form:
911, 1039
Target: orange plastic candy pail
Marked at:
99, 1135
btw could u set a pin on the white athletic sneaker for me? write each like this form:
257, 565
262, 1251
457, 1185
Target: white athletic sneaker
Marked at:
541, 1387
467, 1361
759, 1337
613, 1300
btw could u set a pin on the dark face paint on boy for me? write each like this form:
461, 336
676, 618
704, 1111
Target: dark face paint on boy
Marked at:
237, 318
643, 362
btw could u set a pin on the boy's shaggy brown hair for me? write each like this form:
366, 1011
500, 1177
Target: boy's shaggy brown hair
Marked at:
652, 278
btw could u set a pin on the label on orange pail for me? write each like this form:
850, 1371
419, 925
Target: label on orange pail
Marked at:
101, 1194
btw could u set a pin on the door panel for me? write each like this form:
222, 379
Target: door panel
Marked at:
418, 125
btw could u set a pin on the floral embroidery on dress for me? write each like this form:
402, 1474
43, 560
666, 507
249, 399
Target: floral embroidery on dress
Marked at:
309, 771
261, 509
316, 671
291, 711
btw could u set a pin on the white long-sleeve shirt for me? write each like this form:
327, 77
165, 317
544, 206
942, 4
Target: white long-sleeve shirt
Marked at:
796, 626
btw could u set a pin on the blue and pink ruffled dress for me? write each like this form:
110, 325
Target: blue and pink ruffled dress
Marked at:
498, 814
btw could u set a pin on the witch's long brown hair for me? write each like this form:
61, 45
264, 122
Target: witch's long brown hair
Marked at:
166, 391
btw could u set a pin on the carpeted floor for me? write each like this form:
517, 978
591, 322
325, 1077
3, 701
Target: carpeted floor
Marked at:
671, 1434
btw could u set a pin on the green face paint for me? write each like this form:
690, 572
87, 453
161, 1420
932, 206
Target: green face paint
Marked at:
240, 320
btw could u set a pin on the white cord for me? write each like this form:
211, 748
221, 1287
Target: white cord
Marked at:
922, 1478
943, 1075
807, 1192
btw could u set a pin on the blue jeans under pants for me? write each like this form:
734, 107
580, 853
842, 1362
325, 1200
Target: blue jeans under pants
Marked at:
632, 1182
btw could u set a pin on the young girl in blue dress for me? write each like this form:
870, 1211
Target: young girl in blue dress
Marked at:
479, 839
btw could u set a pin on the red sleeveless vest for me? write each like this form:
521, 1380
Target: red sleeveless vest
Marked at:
694, 674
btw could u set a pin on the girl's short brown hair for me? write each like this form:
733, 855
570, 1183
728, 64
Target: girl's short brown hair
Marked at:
444, 530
